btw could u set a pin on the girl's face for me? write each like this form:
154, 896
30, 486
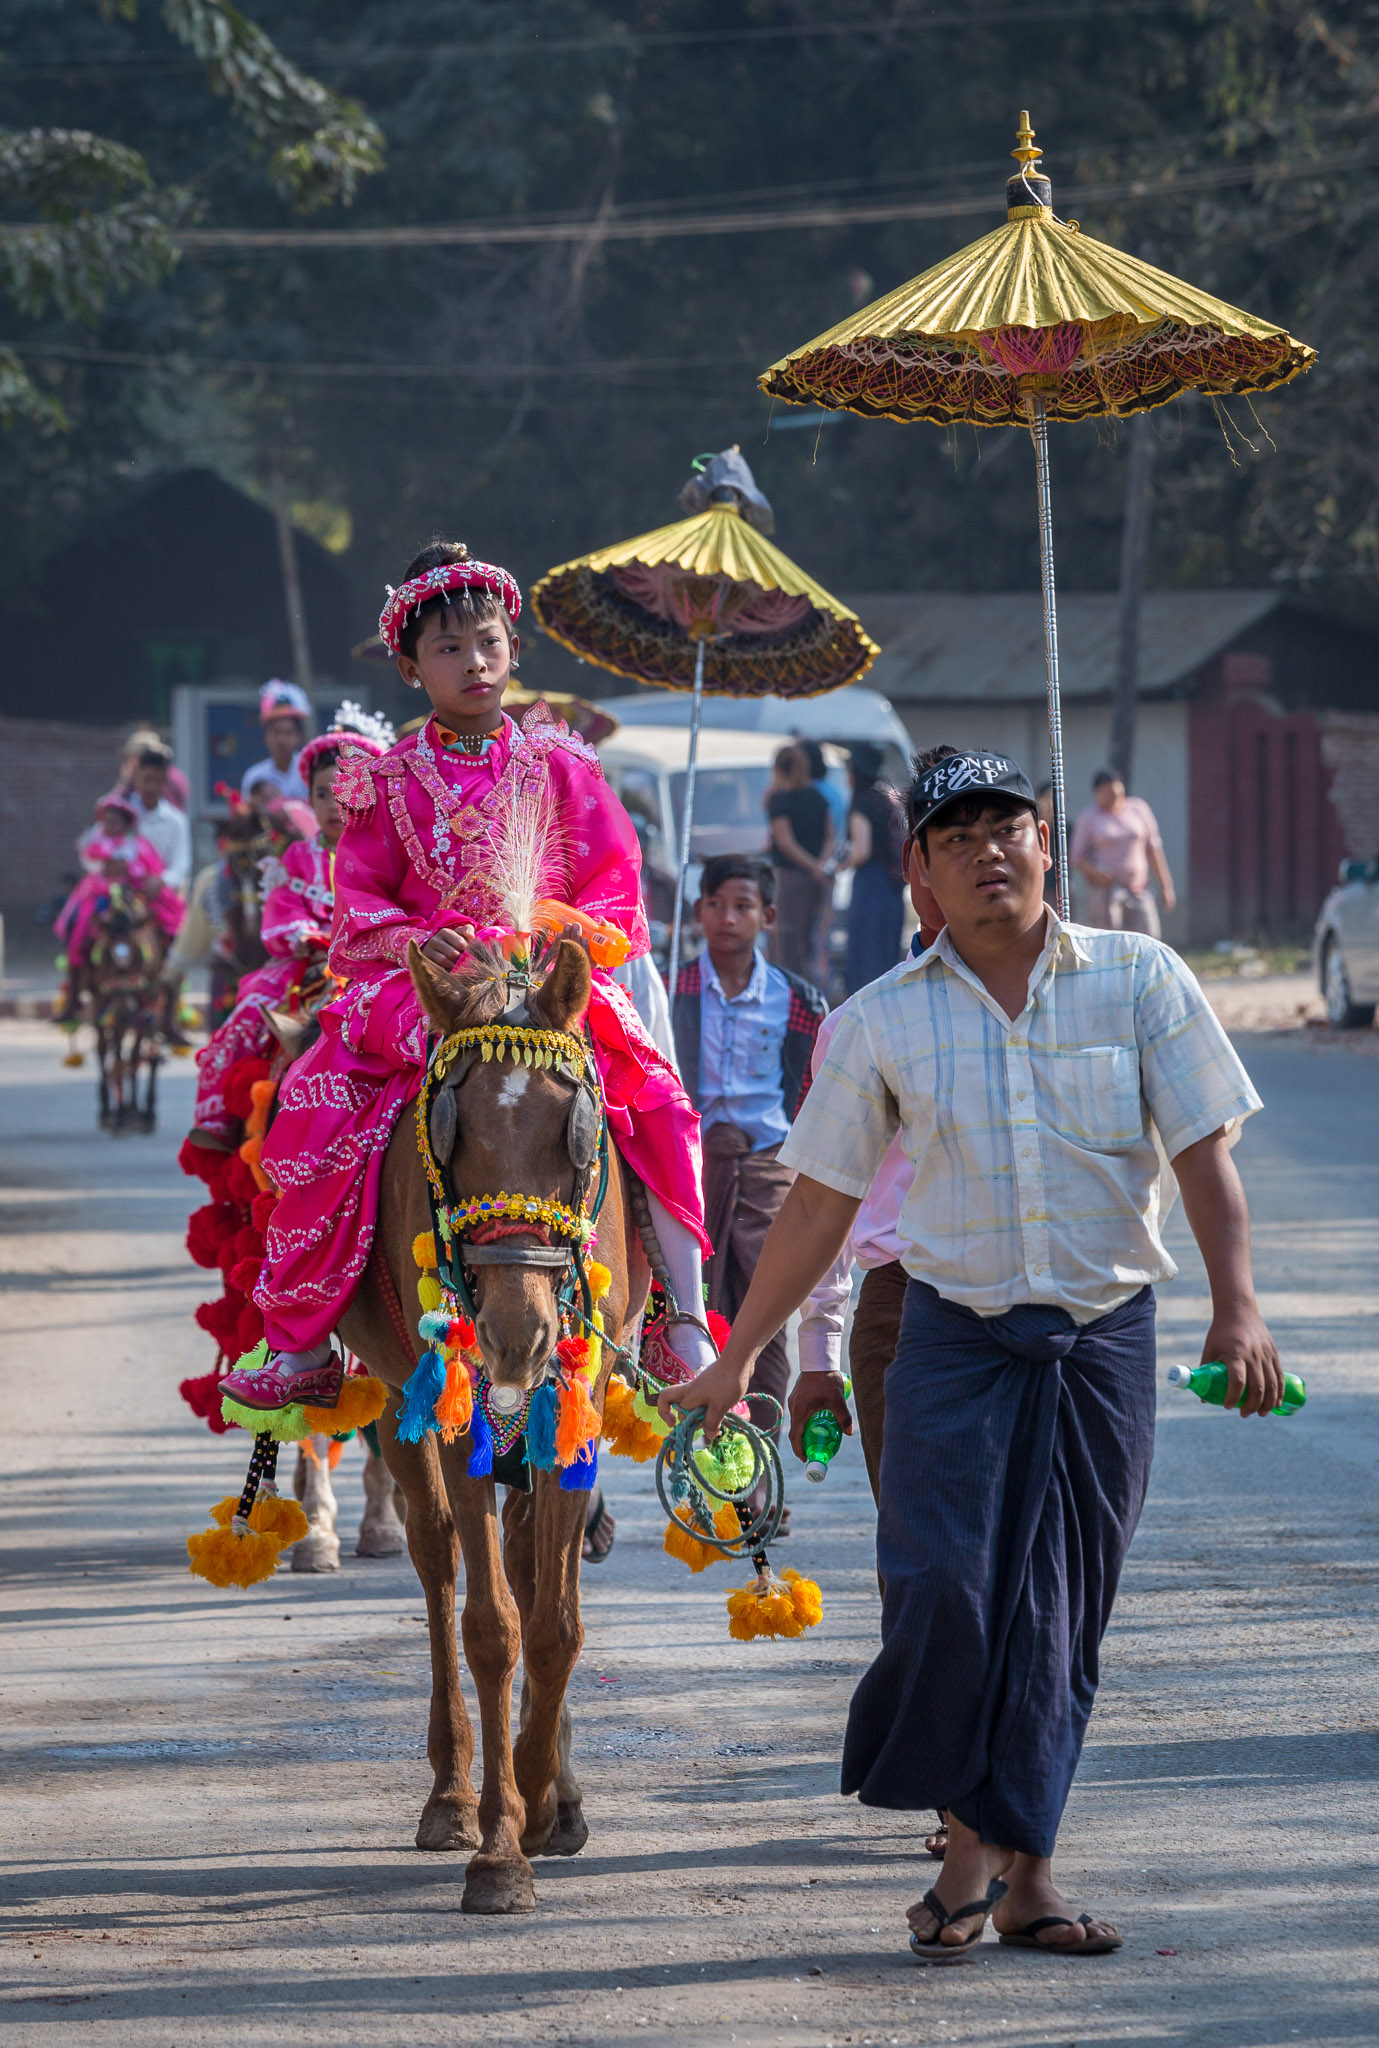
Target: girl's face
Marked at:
463, 669
114, 823
327, 812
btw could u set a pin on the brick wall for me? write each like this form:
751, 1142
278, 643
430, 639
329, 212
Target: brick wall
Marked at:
1350, 749
50, 777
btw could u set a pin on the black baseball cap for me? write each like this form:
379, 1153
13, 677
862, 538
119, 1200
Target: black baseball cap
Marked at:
961, 775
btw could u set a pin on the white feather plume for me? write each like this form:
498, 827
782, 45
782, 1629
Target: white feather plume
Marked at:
524, 859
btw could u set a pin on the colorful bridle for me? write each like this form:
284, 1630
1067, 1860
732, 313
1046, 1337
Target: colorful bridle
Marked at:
458, 1221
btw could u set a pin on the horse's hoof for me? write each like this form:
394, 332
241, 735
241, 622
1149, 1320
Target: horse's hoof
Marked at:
570, 1832
378, 1538
445, 1824
318, 1551
491, 1886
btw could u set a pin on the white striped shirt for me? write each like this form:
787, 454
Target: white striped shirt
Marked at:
1036, 1174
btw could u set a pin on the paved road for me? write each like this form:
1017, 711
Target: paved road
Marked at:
211, 1796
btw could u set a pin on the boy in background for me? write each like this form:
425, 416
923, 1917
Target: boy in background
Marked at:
744, 1039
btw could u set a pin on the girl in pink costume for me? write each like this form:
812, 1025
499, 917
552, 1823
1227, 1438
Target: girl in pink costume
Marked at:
411, 869
112, 851
299, 902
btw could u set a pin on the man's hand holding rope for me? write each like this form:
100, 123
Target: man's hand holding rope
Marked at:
803, 1242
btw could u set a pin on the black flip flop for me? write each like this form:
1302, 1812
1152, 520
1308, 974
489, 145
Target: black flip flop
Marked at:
1028, 1937
936, 1951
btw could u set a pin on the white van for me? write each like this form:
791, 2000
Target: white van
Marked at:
646, 765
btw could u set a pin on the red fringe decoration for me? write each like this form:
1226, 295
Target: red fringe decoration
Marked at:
239, 1082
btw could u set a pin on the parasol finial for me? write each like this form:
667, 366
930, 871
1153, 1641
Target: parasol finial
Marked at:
1029, 191
1026, 150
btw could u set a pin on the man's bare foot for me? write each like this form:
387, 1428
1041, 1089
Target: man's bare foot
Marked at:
937, 1842
1031, 1896
598, 1530
969, 1864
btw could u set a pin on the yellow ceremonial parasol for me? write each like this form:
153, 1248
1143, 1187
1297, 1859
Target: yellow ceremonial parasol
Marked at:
1037, 322
707, 604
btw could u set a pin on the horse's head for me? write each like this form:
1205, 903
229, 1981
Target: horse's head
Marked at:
119, 949
498, 1126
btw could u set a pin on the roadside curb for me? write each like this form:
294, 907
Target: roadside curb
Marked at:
39, 1010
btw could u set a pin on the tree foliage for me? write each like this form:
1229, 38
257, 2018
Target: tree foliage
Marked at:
537, 399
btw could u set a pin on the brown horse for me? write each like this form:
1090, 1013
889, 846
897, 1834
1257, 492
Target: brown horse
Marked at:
521, 1587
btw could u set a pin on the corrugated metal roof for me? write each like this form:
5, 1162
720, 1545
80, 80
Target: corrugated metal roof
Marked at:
943, 647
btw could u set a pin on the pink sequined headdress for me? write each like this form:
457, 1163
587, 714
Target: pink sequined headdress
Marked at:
434, 583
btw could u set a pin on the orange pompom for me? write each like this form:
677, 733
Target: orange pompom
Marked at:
262, 1094
424, 1251
249, 1152
577, 1422
455, 1408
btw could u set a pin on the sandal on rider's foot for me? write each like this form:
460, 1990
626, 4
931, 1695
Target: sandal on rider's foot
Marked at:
937, 1951
1094, 1945
592, 1550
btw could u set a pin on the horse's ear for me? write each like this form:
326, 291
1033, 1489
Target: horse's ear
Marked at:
563, 997
293, 1032
442, 997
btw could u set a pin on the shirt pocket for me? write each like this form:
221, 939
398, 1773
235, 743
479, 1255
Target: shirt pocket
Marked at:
759, 1050
1092, 1097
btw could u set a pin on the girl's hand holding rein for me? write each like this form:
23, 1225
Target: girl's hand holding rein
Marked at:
448, 946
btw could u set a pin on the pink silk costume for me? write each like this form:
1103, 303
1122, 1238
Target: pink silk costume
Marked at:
144, 873
299, 901
410, 861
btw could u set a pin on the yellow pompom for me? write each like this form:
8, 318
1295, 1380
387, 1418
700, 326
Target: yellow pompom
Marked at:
181, 1052
361, 1402
224, 1558
428, 1293
808, 1600
285, 1520
75, 1059
424, 1251
681, 1541
600, 1280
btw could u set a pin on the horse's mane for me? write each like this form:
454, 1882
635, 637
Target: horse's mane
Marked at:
481, 980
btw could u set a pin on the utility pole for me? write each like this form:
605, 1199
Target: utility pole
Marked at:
1134, 549
292, 582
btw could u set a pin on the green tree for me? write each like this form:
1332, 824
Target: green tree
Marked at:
91, 222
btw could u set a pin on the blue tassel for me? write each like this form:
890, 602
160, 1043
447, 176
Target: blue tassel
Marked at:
541, 1416
419, 1397
435, 1325
480, 1444
580, 1477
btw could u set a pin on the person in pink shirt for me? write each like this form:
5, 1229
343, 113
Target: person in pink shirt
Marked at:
1116, 846
415, 866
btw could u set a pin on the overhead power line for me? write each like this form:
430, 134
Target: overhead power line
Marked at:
335, 57
630, 227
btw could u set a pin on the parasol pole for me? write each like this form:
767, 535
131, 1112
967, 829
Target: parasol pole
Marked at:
687, 822
1039, 434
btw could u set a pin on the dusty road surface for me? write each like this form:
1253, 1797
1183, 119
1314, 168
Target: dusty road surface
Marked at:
210, 1797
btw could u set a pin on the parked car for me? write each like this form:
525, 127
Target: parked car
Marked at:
1346, 946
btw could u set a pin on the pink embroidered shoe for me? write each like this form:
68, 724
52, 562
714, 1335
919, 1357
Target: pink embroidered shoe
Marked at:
277, 1384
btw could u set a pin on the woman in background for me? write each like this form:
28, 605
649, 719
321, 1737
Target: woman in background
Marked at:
801, 840
876, 834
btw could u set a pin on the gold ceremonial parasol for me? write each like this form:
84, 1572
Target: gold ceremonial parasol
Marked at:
1037, 322
707, 604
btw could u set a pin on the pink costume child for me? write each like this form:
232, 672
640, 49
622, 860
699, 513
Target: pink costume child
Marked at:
111, 850
298, 908
411, 862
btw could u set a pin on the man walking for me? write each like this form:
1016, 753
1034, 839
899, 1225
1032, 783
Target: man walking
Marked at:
1028, 1064
1115, 848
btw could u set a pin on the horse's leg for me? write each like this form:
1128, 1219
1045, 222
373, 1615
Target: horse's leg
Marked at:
319, 1549
544, 1531
381, 1533
499, 1878
450, 1817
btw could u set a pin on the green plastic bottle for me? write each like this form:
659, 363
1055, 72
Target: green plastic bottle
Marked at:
822, 1434
1210, 1383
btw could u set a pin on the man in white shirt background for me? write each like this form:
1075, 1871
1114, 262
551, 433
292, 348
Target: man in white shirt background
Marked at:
1029, 1066
160, 822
